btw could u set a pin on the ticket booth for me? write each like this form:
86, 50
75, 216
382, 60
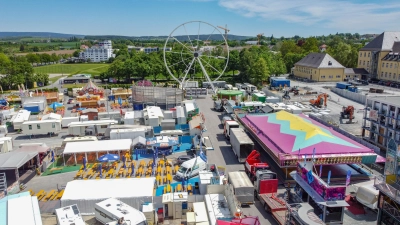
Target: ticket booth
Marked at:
175, 205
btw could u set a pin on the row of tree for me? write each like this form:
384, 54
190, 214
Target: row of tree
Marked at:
16, 72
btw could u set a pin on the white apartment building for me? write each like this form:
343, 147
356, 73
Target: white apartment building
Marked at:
148, 49
100, 53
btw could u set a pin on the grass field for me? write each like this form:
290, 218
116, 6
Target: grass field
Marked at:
87, 68
65, 44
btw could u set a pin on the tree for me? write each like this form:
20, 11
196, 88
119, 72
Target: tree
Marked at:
289, 46
45, 58
4, 62
32, 58
54, 57
35, 49
259, 71
21, 48
310, 45
290, 59
76, 53
234, 61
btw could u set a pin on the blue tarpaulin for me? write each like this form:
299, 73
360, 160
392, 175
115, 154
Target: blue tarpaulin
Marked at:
55, 105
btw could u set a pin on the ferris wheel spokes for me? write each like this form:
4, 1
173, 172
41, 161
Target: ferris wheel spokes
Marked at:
206, 74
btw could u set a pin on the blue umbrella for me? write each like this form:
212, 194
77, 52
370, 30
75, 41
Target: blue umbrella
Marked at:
123, 161
119, 101
108, 158
133, 169
84, 163
100, 170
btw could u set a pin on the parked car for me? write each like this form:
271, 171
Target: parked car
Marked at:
183, 158
70, 101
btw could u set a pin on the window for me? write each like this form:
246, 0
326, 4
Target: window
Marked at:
390, 75
53, 125
367, 63
103, 126
30, 127
38, 126
330, 76
360, 54
363, 63
391, 65
360, 63
394, 75
337, 76
369, 53
383, 64
365, 54
387, 65
382, 74
323, 77
385, 74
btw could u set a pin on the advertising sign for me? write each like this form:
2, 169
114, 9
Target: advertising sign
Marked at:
348, 177
391, 164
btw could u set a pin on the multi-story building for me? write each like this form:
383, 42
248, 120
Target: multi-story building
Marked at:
382, 122
319, 67
100, 53
148, 49
380, 57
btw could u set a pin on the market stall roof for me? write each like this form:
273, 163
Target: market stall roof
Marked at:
229, 92
90, 85
139, 140
162, 141
97, 146
114, 188
18, 157
20, 208
284, 132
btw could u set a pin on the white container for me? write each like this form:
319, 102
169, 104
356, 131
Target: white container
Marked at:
6, 144
67, 120
127, 133
190, 218
168, 115
205, 180
41, 127
201, 212
129, 118
84, 118
3, 130
180, 115
148, 211
21, 117
168, 124
69, 215
112, 209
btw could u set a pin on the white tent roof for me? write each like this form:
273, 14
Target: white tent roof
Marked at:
17, 158
97, 146
139, 139
108, 188
52, 116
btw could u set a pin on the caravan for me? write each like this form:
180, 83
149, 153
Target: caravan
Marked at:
191, 168
111, 210
41, 127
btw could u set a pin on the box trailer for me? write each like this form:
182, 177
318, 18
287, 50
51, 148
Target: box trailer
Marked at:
112, 210
84, 128
129, 118
41, 127
241, 143
342, 85
65, 121
243, 188
127, 133
228, 125
18, 119
279, 82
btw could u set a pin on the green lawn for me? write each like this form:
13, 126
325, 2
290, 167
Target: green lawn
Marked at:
87, 68
65, 44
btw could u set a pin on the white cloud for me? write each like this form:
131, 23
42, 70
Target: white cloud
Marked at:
341, 15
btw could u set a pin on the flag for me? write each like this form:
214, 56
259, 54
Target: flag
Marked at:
305, 159
320, 170
329, 177
348, 177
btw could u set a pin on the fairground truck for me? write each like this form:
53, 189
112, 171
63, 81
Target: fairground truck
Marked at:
253, 164
266, 191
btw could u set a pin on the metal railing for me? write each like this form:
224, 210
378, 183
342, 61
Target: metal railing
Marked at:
392, 211
390, 190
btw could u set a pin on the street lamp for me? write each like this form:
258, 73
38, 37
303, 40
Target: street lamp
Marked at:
26, 82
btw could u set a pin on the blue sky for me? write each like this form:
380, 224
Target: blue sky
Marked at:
160, 17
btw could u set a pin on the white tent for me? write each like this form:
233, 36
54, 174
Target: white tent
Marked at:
86, 193
97, 146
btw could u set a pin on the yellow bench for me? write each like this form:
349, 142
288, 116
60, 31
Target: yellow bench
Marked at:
59, 195
168, 188
40, 194
31, 192
178, 188
44, 199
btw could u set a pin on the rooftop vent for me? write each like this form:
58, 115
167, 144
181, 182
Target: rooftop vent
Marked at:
329, 63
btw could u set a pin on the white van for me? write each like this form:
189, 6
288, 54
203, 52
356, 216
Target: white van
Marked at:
185, 171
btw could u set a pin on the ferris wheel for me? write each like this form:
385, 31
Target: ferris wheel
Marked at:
196, 49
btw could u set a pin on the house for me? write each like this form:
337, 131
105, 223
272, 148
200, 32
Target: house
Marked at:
380, 57
354, 73
322, 48
319, 67
92, 114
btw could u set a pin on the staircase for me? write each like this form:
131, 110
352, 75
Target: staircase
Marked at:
3, 182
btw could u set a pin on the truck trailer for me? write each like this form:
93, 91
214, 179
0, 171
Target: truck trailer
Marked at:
241, 143
243, 188
228, 125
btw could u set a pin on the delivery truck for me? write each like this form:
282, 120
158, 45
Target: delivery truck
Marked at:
241, 144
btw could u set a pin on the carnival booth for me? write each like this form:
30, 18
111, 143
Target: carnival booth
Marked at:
91, 89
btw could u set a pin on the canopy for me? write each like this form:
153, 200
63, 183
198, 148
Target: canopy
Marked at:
90, 86
55, 105
97, 146
86, 193
108, 158
20, 208
139, 140
17, 158
162, 141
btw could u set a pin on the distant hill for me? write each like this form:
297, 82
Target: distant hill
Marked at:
213, 37
38, 34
